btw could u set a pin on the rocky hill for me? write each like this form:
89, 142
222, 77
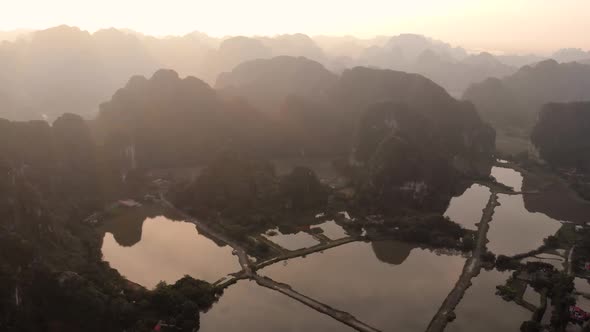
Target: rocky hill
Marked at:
414, 142
516, 99
401, 130
562, 135
266, 83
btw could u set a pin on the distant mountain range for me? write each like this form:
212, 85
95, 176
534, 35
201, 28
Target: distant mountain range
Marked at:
516, 99
64, 69
13, 35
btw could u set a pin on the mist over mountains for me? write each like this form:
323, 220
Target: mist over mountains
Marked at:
515, 100
12, 35
206, 163
64, 69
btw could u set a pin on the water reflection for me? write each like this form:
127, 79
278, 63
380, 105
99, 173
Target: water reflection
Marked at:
466, 210
392, 252
554, 198
167, 251
583, 303
291, 241
582, 285
126, 223
390, 297
246, 306
482, 310
556, 261
531, 296
514, 230
508, 176
332, 230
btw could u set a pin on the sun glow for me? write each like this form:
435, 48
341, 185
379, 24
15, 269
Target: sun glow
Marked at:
494, 24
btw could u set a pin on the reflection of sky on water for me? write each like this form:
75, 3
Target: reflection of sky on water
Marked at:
167, 251
390, 285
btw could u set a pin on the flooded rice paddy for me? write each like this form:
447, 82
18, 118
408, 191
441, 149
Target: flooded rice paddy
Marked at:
389, 285
383, 284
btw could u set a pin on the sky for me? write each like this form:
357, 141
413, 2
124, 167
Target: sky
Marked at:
495, 25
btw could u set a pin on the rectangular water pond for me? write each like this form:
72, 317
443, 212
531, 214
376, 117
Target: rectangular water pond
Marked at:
483, 311
515, 230
389, 285
246, 307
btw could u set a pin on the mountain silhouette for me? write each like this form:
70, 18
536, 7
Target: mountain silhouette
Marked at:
516, 99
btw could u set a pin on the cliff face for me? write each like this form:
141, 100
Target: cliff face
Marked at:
419, 111
415, 145
61, 160
562, 135
170, 121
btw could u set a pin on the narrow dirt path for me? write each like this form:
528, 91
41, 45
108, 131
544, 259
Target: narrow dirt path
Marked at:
248, 271
471, 269
341, 316
568, 261
232, 278
305, 251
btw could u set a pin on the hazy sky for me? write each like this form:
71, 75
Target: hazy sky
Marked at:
504, 25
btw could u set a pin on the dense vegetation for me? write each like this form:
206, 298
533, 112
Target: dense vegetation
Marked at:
412, 154
51, 268
562, 135
430, 230
54, 176
247, 192
403, 144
